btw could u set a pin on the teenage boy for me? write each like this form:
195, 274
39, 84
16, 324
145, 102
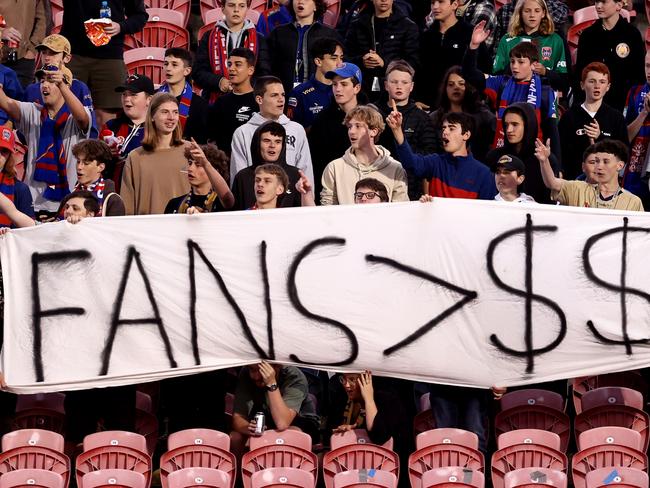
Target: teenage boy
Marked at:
523, 86
363, 159
593, 120
454, 174
51, 131
271, 182
612, 40
606, 193
210, 65
328, 137
366, 190
510, 174
589, 166
193, 110
234, 109
269, 95
416, 123
275, 15
308, 99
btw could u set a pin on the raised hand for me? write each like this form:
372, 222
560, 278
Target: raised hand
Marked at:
542, 151
479, 35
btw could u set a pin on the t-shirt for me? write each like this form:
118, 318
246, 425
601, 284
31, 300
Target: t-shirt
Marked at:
551, 52
582, 194
229, 112
30, 126
522, 198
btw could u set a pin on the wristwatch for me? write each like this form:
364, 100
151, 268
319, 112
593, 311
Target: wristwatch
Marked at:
272, 387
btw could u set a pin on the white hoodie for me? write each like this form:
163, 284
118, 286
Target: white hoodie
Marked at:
298, 154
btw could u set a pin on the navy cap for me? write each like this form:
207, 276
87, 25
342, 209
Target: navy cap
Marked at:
137, 83
346, 70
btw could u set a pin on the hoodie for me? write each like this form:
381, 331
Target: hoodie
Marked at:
298, 154
342, 174
533, 185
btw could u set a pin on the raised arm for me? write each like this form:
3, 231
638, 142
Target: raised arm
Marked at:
217, 181
282, 415
543, 153
78, 111
18, 218
306, 190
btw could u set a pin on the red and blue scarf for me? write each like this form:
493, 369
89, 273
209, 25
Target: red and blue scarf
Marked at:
186, 100
97, 188
51, 159
8, 189
506, 99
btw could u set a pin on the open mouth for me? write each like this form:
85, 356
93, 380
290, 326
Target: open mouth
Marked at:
445, 141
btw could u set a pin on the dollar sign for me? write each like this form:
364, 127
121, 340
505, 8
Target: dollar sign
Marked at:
530, 352
622, 289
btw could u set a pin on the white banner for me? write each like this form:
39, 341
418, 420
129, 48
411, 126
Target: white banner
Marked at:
456, 291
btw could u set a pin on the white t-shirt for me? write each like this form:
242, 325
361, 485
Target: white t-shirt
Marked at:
522, 198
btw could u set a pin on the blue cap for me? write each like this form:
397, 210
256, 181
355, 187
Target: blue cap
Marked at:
346, 70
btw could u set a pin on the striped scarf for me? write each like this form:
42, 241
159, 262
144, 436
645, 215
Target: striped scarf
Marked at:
534, 98
186, 100
8, 189
97, 188
50, 162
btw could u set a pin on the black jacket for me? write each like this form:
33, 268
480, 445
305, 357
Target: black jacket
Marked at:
283, 45
399, 41
243, 188
196, 125
130, 14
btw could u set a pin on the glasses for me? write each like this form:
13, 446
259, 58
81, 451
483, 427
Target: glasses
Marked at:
370, 195
348, 381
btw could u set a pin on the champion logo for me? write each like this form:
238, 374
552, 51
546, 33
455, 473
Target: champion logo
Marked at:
243, 109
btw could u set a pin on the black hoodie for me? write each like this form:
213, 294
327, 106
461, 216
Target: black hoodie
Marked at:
533, 185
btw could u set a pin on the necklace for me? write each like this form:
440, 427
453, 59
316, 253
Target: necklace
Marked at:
613, 198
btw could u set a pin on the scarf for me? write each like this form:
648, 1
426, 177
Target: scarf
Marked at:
50, 162
506, 98
97, 188
218, 51
8, 189
207, 206
186, 100
354, 414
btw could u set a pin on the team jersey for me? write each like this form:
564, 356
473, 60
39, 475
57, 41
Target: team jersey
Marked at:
551, 52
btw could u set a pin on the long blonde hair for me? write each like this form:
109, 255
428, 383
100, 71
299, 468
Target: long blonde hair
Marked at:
150, 138
516, 26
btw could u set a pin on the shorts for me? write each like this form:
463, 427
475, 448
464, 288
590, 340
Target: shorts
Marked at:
102, 77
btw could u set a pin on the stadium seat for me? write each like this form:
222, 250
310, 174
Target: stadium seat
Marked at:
529, 436
277, 456
146, 61
33, 478
364, 478
331, 15
108, 478
143, 402
446, 436
612, 477
453, 476
627, 379
19, 159
441, 456
611, 395
531, 477
57, 22
358, 456
198, 448
425, 402
198, 478
114, 449
181, 6
33, 438
610, 435
423, 421
616, 416
534, 416
56, 6
211, 17
521, 456
532, 396
356, 436
205, 7
605, 456
198, 437
282, 477
163, 29
288, 437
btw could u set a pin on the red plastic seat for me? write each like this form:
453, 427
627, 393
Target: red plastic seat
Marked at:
530, 477
181, 6
534, 417
365, 478
358, 456
57, 6
57, 22
610, 435
31, 478
446, 436
615, 416
19, 159
198, 437
423, 421
197, 455
610, 395
425, 402
453, 476
605, 456
205, 6
532, 396
276, 456
525, 456
198, 478
33, 438
612, 477
282, 477
288, 437
143, 402
331, 15
627, 379
109, 478
441, 456
356, 436
529, 436
146, 61
35, 457
212, 16
163, 29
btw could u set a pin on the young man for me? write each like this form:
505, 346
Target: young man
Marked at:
328, 137
51, 130
363, 158
593, 120
510, 174
271, 182
416, 123
523, 86
234, 109
454, 174
308, 99
193, 109
589, 166
612, 40
606, 193
269, 95
210, 65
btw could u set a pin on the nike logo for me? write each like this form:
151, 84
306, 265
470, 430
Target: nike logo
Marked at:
243, 109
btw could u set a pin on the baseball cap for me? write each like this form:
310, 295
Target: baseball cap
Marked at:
7, 139
67, 74
511, 163
56, 43
346, 70
137, 83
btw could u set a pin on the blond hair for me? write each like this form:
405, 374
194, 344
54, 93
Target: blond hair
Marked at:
516, 26
368, 115
150, 138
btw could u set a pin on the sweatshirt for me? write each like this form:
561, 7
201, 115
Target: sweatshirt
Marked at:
342, 174
298, 154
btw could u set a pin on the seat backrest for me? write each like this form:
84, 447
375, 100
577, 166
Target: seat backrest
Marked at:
197, 456
425, 402
358, 456
163, 29
331, 15
113, 477
289, 437
529, 436
49, 401
113, 438
181, 6
275, 456
33, 438
540, 476
612, 476
440, 456
453, 474
584, 14
532, 396
114, 450
525, 456
614, 415
199, 477
287, 477
31, 477
606, 456
534, 417
205, 6
620, 436
34, 457
356, 436
446, 436
148, 61
198, 437
611, 395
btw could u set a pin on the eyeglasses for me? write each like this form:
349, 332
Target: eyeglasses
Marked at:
348, 381
358, 195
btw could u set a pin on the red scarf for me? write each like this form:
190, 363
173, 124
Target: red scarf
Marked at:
8, 189
97, 188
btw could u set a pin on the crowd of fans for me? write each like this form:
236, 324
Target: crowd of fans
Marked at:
396, 103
